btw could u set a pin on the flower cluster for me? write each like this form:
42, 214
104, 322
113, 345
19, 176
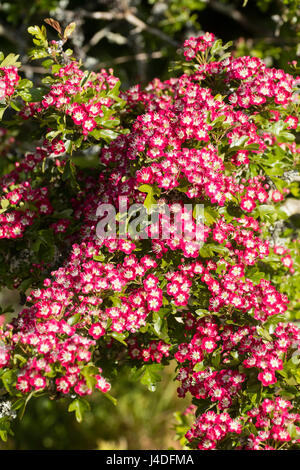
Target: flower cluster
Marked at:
6, 410
9, 78
199, 44
275, 425
220, 387
244, 344
208, 301
155, 351
210, 429
69, 84
15, 221
258, 84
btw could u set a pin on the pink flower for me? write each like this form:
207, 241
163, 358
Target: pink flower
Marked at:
248, 204
267, 377
277, 196
96, 330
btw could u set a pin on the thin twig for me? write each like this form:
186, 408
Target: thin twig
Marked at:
142, 56
134, 20
131, 19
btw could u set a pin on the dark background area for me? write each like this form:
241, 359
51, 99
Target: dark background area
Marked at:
139, 48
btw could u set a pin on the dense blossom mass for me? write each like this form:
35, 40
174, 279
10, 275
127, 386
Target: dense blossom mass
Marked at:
9, 78
147, 300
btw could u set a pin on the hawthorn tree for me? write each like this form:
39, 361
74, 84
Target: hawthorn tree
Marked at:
219, 133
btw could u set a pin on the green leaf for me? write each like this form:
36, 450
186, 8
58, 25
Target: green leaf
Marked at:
267, 212
47, 63
4, 203
70, 174
202, 313
146, 188
286, 136
79, 406
46, 236
183, 188
119, 337
36, 94
152, 376
69, 30
89, 372
43, 245
210, 215
31, 95
11, 60
106, 134
40, 34
85, 78
25, 284
25, 95
25, 402
114, 92
220, 268
18, 358
99, 257
151, 191
15, 106
137, 372
56, 68
157, 322
36, 54
279, 183
52, 134
25, 83
205, 251
111, 398
295, 189
2, 110
199, 366
3, 435
264, 333
220, 119
8, 378
74, 319
109, 123
18, 404
276, 128
238, 144
219, 248
115, 301
216, 360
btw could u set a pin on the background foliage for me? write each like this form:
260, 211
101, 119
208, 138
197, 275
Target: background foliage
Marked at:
136, 37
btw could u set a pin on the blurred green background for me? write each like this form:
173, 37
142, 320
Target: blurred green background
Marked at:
141, 420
